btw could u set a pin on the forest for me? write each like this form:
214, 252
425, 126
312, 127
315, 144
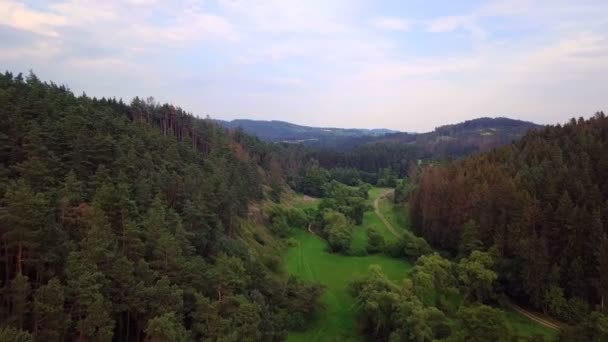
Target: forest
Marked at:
125, 222
142, 222
540, 205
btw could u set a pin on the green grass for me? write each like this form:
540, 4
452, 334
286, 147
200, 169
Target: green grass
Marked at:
370, 220
527, 328
358, 244
310, 261
397, 216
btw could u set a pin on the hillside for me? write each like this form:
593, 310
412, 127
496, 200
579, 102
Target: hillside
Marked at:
464, 138
280, 131
454, 140
130, 222
541, 205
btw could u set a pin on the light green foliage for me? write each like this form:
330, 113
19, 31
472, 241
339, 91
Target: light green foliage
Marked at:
350, 201
476, 276
470, 239
481, 323
555, 301
375, 241
310, 261
433, 278
337, 231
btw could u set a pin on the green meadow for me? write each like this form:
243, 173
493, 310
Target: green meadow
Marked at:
310, 260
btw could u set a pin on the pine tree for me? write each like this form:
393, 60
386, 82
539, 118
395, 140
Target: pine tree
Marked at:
50, 319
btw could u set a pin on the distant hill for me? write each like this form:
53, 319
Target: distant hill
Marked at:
452, 140
281, 131
464, 138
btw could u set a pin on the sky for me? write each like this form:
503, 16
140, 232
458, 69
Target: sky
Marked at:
409, 65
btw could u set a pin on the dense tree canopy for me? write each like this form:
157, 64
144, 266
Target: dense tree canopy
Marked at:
542, 203
123, 222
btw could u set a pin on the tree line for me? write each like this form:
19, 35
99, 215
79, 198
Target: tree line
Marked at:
124, 221
542, 205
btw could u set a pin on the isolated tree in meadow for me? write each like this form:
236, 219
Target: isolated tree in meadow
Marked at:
337, 231
375, 241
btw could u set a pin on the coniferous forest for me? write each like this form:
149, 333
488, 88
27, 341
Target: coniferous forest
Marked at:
123, 222
142, 222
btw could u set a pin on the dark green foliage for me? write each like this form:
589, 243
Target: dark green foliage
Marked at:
312, 179
15, 335
122, 222
387, 178
402, 191
283, 218
540, 204
592, 329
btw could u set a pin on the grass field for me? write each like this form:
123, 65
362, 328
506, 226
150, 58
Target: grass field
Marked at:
397, 216
370, 220
310, 261
525, 327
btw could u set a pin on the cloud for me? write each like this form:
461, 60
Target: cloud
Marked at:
391, 24
17, 15
329, 63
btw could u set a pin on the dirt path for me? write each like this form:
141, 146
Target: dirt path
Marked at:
517, 308
388, 225
535, 317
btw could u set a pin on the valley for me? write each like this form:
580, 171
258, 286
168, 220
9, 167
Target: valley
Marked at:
309, 259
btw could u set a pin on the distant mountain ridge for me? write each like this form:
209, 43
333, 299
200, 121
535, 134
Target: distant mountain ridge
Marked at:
453, 139
281, 131
471, 136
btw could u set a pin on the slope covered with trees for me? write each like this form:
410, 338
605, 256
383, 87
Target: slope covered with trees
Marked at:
124, 222
541, 204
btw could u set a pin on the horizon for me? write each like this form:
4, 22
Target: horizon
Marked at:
361, 64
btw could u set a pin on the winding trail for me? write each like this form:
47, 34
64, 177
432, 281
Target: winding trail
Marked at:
388, 225
536, 318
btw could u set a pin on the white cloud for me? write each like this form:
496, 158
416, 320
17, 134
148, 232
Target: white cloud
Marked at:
17, 15
391, 24
331, 63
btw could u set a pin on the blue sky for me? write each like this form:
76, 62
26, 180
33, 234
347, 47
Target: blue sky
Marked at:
408, 65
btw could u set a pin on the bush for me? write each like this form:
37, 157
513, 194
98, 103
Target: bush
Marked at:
375, 241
